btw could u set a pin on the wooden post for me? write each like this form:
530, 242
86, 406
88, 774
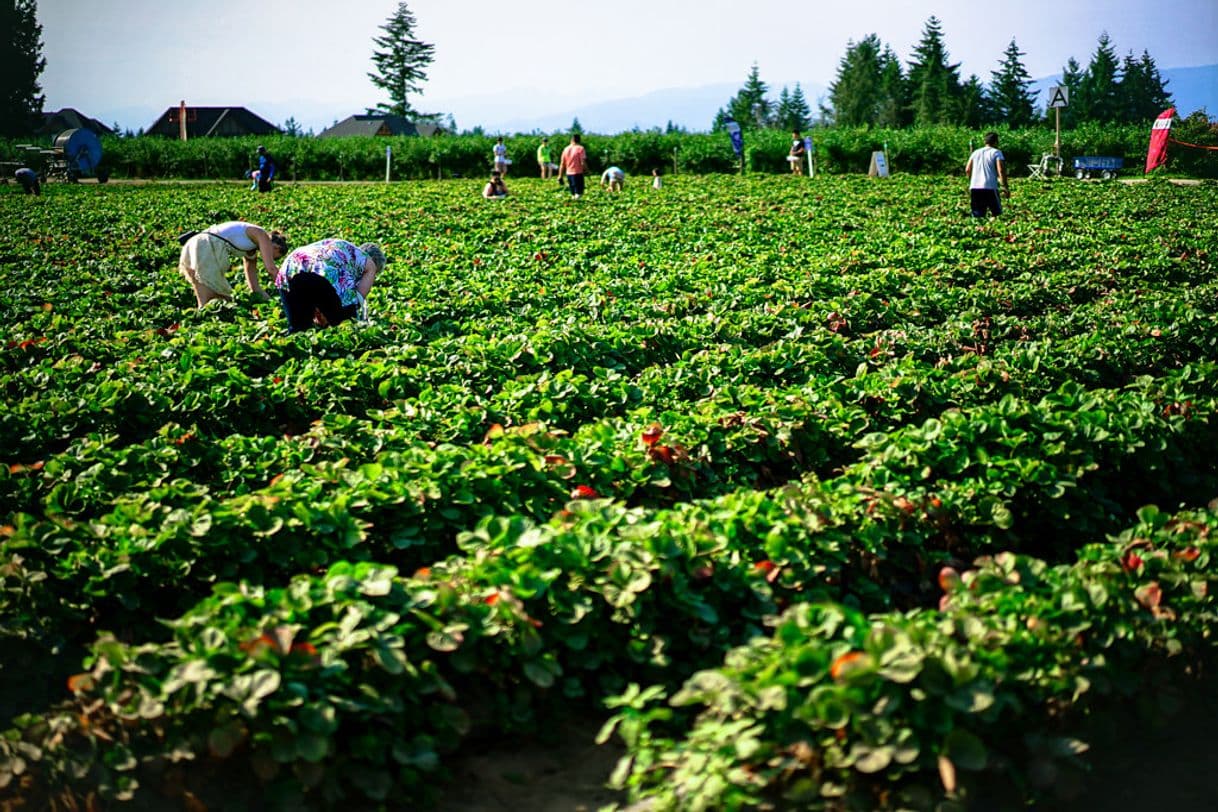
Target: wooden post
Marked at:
182, 120
1057, 141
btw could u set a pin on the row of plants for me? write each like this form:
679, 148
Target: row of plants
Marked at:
277, 689
840, 150
582, 445
965, 706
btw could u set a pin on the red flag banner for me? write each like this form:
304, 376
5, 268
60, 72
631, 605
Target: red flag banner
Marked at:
1156, 155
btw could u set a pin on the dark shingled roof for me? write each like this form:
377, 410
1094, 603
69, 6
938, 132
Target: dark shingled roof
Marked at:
212, 121
377, 125
71, 119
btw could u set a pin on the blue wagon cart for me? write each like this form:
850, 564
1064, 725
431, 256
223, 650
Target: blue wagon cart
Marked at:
1103, 165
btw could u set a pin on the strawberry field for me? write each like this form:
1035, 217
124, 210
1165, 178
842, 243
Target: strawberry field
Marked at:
820, 494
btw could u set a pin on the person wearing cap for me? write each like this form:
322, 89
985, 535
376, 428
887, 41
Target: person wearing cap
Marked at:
501, 158
28, 179
266, 169
207, 256
327, 282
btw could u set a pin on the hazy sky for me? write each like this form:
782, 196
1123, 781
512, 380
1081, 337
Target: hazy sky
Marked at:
108, 55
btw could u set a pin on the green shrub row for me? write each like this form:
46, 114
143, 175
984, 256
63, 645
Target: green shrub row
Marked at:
838, 151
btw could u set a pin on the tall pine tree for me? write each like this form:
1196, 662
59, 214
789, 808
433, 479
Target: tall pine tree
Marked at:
401, 64
1142, 90
974, 106
21, 63
1072, 79
792, 112
934, 84
801, 113
750, 107
856, 95
1010, 95
782, 113
1097, 98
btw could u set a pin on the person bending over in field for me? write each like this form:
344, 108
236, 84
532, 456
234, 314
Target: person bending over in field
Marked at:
495, 188
207, 256
325, 283
28, 179
613, 177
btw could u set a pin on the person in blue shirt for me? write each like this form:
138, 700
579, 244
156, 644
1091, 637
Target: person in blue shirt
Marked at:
28, 179
266, 169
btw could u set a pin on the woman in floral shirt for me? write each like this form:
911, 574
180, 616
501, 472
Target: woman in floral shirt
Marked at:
324, 283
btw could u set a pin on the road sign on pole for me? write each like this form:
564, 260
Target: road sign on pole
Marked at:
1059, 97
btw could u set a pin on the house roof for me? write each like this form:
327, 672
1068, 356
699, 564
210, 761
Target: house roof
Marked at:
376, 125
70, 118
212, 121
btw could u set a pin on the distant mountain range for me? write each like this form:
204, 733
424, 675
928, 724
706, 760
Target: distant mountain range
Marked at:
692, 108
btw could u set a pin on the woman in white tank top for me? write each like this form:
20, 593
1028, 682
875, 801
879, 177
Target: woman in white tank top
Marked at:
207, 256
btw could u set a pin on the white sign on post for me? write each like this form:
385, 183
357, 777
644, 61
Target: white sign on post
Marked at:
1059, 96
879, 165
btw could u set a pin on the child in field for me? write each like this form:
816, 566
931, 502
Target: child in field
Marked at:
495, 188
656, 182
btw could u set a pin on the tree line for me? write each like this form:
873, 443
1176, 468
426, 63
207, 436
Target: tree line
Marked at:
873, 88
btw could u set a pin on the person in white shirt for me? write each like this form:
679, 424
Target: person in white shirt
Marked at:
656, 182
501, 159
987, 168
207, 256
613, 177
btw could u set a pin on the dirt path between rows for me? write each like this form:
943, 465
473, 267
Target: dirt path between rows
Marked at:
1171, 765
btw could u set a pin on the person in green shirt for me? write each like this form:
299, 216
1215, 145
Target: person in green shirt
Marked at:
544, 159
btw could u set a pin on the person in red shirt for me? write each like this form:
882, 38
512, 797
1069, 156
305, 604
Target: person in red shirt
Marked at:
573, 164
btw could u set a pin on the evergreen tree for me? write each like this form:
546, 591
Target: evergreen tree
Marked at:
401, 64
893, 91
934, 85
21, 62
1097, 98
1142, 91
974, 106
292, 127
576, 127
801, 113
749, 107
856, 96
1010, 95
1072, 79
782, 113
